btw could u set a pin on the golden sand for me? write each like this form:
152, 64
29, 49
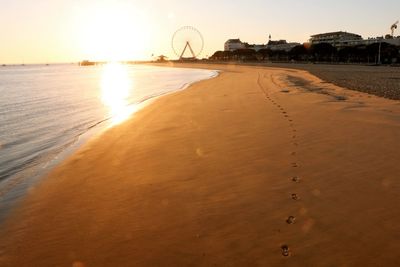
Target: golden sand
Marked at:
246, 169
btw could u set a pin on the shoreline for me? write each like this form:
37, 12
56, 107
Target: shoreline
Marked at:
213, 175
14, 188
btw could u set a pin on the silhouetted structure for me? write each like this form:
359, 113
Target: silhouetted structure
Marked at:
321, 52
162, 58
87, 63
336, 39
186, 39
234, 44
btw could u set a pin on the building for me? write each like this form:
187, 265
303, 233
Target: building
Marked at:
344, 39
392, 41
336, 39
281, 45
234, 44
255, 47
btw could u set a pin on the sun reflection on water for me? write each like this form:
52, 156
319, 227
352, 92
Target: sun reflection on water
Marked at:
116, 86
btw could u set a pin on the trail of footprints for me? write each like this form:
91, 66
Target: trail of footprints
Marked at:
285, 250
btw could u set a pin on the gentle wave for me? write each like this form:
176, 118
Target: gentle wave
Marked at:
44, 110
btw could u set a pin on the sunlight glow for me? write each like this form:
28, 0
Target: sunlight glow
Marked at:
112, 31
116, 86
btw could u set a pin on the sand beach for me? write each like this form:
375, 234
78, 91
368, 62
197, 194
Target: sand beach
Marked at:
259, 166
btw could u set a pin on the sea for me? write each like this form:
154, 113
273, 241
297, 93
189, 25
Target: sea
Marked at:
47, 111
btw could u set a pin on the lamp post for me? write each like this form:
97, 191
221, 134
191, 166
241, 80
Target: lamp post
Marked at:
379, 51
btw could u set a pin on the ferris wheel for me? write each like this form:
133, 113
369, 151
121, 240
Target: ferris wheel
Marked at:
187, 43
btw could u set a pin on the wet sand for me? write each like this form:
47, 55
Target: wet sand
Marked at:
257, 167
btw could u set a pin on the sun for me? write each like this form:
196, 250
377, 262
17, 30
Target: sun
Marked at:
112, 32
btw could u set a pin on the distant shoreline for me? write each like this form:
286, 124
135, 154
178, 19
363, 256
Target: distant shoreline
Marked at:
379, 80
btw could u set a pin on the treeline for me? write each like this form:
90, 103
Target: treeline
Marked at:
323, 52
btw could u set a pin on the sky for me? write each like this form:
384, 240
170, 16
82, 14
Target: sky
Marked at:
48, 31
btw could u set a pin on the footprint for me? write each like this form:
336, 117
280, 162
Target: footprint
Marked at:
295, 179
290, 220
285, 250
293, 153
295, 197
295, 165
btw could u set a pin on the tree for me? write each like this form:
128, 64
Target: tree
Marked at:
389, 53
299, 53
280, 55
323, 52
245, 54
217, 55
265, 53
222, 55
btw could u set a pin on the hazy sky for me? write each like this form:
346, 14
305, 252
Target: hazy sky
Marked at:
70, 30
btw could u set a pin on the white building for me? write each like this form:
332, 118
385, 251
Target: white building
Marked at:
281, 45
392, 41
234, 44
336, 39
255, 47
344, 39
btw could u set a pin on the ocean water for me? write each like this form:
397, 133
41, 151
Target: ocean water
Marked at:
45, 110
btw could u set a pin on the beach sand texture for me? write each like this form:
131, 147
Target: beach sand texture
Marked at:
252, 168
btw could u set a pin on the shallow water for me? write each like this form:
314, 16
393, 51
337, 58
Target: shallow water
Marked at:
44, 110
